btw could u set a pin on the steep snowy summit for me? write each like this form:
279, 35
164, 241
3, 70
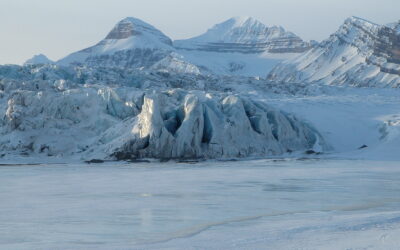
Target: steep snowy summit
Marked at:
134, 33
246, 35
131, 42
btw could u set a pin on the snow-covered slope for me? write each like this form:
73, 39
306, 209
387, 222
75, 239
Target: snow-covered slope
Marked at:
38, 59
360, 53
245, 35
236, 64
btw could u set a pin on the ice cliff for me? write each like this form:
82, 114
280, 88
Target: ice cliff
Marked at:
77, 112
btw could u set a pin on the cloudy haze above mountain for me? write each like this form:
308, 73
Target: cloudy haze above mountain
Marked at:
57, 28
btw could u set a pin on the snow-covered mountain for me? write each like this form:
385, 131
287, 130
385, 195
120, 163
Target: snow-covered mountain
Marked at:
245, 35
241, 46
247, 48
38, 59
132, 43
360, 53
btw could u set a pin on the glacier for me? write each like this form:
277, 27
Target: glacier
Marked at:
67, 112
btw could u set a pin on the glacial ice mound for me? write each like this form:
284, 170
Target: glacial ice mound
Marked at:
90, 113
178, 124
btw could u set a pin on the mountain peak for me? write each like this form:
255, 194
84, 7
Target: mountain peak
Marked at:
241, 21
354, 20
243, 30
134, 27
245, 35
238, 26
129, 34
353, 31
38, 59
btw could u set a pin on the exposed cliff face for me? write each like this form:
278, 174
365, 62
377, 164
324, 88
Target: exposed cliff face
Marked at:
360, 53
245, 35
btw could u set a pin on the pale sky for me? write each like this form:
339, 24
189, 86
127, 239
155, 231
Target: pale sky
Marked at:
59, 27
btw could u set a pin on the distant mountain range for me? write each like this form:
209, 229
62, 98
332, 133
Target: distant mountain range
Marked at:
238, 46
360, 53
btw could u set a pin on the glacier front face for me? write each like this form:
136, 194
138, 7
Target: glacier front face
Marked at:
59, 111
181, 124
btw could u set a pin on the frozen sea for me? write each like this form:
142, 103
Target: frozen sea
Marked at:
259, 204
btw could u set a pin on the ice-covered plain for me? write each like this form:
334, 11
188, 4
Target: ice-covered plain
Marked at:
263, 204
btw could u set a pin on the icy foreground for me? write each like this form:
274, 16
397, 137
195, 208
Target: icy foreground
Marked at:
233, 205
48, 111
